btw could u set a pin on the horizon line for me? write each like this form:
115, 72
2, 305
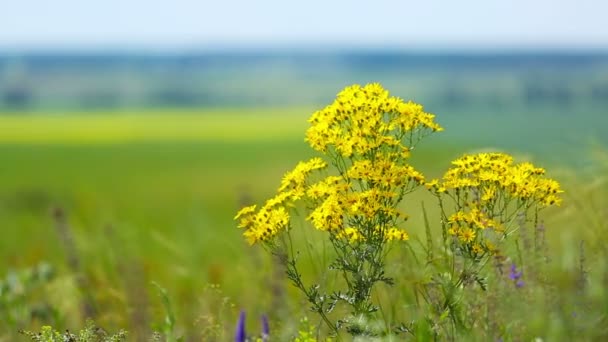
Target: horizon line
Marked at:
308, 49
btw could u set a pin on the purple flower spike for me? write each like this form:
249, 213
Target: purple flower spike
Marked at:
265, 328
240, 335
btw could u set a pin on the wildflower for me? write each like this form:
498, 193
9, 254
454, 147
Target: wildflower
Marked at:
265, 328
432, 184
265, 224
297, 177
396, 234
516, 275
477, 249
245, 211
240, 335
466, 235
366, 118
328, 216
483, 185
351, 234
454, 229
368, 135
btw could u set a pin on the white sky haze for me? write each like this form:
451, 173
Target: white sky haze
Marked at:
30, 24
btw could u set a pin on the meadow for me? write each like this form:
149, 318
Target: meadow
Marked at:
112, 201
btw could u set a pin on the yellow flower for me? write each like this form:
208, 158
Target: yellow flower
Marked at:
352, 234
245, 211
459, 216
494, 174
267, 223
328, 216
488, 194
297, 177
476, 248
280, 198
362, 119
454, 229
432, 184
466, 235
396, 234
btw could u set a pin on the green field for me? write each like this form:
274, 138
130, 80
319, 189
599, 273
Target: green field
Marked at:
152, 196
156, 191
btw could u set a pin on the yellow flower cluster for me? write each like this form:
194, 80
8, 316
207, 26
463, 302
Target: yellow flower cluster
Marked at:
273, 216
494, 175
488, 190
464, 224
264, 224
339, 207
354, 235
384, 173
362, 119
295, 180
473, 218
372, 134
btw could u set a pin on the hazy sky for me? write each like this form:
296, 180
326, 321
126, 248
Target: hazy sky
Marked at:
201, 24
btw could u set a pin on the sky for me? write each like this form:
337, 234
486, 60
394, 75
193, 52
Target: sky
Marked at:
203, 24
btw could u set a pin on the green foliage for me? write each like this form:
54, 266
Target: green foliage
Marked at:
20, 301
90, 333
167, 327
307, 332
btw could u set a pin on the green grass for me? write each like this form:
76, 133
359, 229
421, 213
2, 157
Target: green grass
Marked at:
152, 197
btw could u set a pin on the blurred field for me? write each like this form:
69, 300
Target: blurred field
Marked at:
151, 198
220, 125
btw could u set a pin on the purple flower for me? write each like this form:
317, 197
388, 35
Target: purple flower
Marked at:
516, 276
240, 335
265, 328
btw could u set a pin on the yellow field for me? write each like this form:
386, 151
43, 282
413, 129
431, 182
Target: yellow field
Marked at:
169, 125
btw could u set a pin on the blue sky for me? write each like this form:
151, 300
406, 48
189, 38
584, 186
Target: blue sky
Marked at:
190, 24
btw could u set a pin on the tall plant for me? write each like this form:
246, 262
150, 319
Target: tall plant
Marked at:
354, 191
